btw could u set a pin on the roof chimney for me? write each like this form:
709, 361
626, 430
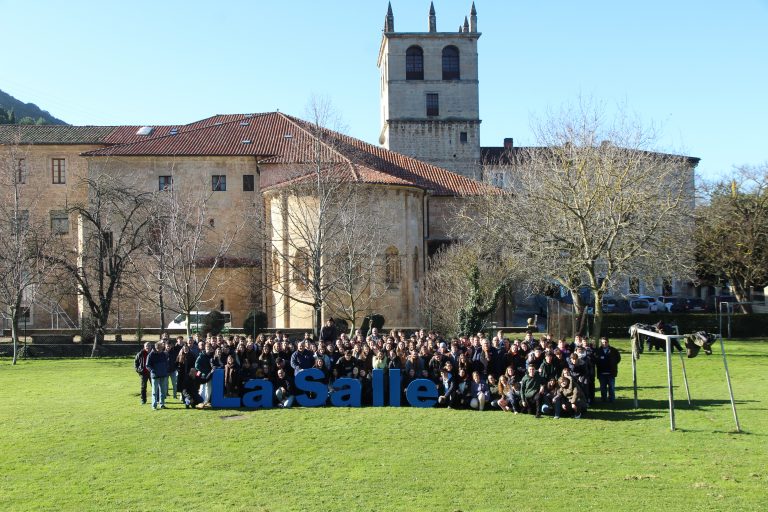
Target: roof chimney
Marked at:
508, 143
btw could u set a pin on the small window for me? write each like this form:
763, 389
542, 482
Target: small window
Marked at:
248, 183
433, 104
108, 240
414, 63
59, 222
497, 179
451, 63
392, 267
219, 183
463, 137
165, 183
21, 171
58, 171
634, 285
21, 220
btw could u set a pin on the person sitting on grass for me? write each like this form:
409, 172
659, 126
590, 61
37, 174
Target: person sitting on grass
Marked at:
570, 399
479, 393
446, 391
531, 387
283, 390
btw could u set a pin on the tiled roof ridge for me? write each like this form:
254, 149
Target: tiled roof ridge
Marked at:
298, 123
106, 151
374, 151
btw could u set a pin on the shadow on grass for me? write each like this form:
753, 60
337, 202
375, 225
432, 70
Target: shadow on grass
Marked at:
623, 408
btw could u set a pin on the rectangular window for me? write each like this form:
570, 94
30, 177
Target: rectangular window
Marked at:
497, 178
21, 171
463, 137
165, 183
248, 183
58, 171
634, 285
433, 104
219, 183
59, 222
107, 240
21, 220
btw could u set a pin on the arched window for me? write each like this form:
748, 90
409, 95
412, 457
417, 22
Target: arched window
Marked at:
414, 63
451, 63
392, 266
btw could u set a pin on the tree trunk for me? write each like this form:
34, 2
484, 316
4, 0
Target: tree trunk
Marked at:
318, 321
189, 327
15, 336
742, 295
598, 322
580, 312
98, 339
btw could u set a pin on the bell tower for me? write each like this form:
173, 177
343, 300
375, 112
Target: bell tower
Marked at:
430, 93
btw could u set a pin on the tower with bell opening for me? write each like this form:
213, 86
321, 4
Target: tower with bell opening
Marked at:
430, 93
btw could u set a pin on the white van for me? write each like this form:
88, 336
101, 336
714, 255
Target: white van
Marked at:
196, 320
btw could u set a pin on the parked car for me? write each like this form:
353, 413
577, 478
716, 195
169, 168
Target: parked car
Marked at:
196, 319
639, 306
652, 302
695, 305
615, 305
670, 304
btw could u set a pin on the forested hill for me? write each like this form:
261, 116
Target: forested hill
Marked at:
13, 111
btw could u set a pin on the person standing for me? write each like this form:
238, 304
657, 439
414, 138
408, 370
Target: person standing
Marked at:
140, 365
607, 362
159, 365
173, 355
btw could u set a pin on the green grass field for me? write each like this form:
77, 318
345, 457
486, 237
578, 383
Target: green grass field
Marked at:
74, 437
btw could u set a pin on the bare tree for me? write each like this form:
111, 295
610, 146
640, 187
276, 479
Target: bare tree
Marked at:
310, 223
357, 262
463, 285
594, 205
184, 252
23, 238
112, 228
732, 231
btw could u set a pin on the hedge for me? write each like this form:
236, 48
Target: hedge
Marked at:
742, 326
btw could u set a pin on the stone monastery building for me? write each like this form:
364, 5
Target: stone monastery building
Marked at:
430, 156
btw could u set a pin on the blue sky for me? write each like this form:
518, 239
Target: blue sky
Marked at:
698, 69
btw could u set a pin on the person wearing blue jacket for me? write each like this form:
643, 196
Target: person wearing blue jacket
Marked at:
480, 393
159, 366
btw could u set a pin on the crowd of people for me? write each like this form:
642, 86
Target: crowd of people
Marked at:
535, 374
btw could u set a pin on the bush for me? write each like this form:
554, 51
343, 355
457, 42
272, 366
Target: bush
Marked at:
213, 323
87, 330
255, 324
742, 326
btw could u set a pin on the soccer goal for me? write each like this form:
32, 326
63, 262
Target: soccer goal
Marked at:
668, 339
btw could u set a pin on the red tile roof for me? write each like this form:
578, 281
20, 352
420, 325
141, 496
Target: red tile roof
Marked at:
278, 138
